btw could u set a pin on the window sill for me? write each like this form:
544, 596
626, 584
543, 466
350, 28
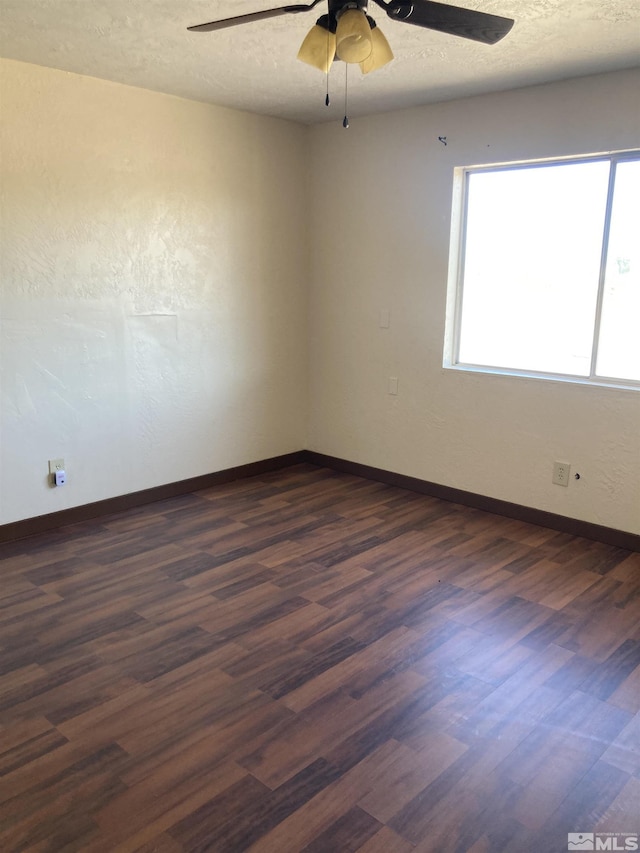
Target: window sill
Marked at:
596, 382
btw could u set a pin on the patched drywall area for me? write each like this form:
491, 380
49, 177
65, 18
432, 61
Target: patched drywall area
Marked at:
153, 301
382, 198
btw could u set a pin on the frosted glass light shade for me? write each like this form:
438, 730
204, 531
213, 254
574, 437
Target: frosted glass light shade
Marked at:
353, 36
380, 54
318, 48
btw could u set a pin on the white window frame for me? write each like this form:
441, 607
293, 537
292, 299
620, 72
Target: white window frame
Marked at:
456, 271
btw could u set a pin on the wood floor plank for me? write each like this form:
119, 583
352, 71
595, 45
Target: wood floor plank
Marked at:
624, 751
305, 824
337, 667
626, 803
172, 794
585, 805
411, 773
313, 730
347, 833
311, 661
386, 841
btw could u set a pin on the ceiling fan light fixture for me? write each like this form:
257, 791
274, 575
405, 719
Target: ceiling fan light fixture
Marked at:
319, 47
353, 36
381, 52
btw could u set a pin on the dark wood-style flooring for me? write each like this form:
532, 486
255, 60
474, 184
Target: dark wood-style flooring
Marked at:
309, 661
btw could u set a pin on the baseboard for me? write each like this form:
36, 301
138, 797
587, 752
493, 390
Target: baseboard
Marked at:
575, 527
53, 520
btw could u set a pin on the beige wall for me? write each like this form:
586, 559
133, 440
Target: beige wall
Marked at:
164, 312
152, 288
381, 242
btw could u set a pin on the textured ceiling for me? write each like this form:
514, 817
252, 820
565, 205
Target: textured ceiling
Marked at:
253, 67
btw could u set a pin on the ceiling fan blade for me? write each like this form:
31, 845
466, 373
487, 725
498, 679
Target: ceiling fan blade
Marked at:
252, 16
454, 20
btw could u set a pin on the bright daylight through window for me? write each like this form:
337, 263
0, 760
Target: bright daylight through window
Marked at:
548, 279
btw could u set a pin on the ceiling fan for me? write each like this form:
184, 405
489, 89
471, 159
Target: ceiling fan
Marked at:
347, 33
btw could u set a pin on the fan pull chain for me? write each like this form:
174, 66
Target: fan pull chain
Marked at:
327, 100
345, 120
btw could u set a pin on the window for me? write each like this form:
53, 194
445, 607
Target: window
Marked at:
548, 270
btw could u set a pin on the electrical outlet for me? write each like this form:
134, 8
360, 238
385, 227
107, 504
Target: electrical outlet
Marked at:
561, 471
56, 465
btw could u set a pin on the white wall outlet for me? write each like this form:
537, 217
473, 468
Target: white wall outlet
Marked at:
561, 472
393, 385
384, 318
56, 465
